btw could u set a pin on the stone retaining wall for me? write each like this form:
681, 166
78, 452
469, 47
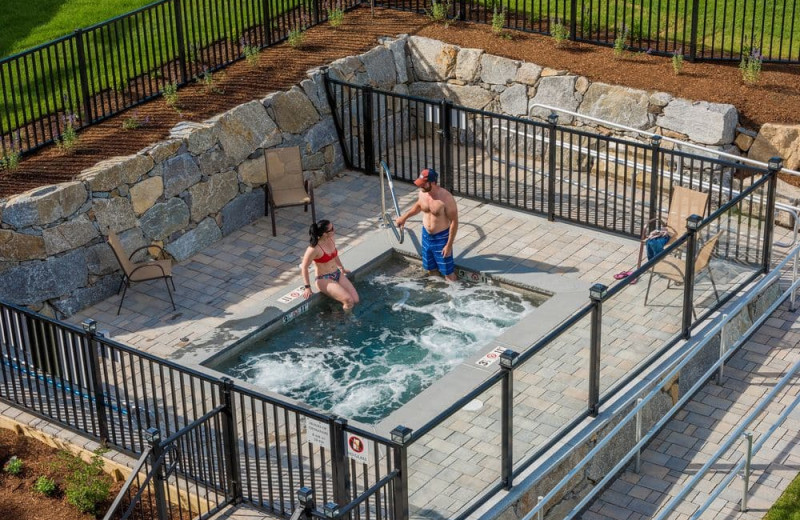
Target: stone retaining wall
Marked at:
207, 179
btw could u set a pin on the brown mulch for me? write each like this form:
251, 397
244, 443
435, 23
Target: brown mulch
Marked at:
18, 501
775, 99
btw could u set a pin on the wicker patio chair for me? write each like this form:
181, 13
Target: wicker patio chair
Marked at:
140, 271
285, 184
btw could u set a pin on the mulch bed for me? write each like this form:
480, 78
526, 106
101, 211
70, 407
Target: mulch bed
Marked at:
774, 99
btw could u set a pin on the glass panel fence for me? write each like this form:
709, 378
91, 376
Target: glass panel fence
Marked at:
551, 389
458, 461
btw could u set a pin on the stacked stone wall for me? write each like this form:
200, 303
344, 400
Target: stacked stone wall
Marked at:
207, 179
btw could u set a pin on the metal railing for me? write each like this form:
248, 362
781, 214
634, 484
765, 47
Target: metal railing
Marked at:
387, 218
99, 71
713, 30
231, 444
635, 413
574, 176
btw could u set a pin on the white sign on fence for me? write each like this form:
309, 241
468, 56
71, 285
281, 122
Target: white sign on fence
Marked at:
319, 433
357, 448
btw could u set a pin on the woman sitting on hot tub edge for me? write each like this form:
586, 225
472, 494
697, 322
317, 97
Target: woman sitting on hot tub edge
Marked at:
331, 276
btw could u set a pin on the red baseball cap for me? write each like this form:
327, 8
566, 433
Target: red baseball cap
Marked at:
427, 175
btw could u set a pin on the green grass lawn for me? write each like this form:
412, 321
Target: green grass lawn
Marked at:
788, 505
28, 23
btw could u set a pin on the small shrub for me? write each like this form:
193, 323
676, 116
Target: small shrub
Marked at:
14, 466
498, 22
211, 82
10, 159
170, 93
619, 42
45, 486
87, 486
677, 61
251, 54
68, 140
560, 33
750, 66
336, 17
296, 37
135, 121
439, 11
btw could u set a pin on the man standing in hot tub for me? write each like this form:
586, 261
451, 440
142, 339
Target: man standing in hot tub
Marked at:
440, 223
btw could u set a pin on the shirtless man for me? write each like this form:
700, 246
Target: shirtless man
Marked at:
440, 221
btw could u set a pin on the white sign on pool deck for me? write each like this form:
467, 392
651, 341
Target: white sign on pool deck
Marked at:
490, 358
319, 433
357, 448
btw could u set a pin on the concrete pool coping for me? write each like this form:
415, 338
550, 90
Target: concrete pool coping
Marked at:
565, 295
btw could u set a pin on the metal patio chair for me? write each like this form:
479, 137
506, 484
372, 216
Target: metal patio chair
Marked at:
674, 269
285, 183
140, 271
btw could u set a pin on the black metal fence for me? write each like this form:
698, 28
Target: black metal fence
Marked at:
94, 73
597, 181
698, 29
221, 443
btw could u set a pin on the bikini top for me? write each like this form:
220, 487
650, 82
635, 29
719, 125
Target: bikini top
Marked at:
326, 257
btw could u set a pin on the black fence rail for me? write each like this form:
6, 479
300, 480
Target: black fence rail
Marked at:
96, 72
221, 444
596, 181
721, 30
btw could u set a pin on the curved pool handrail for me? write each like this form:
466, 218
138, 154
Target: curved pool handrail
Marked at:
385, 172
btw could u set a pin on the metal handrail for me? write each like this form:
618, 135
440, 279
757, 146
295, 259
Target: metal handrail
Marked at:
663, 137
635, 412
734, 436
793, 211
389, 221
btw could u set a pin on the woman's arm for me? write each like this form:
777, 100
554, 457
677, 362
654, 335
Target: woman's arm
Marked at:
307, 257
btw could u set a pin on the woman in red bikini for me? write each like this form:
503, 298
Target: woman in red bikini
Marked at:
330, 273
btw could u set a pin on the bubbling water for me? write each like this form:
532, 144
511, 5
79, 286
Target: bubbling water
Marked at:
405, 334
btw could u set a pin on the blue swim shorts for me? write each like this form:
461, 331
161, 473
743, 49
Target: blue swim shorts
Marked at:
432, 258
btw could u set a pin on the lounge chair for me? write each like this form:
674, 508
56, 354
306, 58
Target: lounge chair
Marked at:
140, 271
285, 183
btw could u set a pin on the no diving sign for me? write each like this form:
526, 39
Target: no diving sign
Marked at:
490, 358
357, 448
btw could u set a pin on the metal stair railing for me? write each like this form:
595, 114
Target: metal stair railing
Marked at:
635, 413
388, 220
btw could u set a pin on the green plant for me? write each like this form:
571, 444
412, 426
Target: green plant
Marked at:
677, 61
170, 93
296, 37
750, 66
86, 485
439, 11
251, 53
336, 17
46, 486
211, 82
134, 121
498, 21
560, 33
619, 42
11, 157
68, 140
13, 466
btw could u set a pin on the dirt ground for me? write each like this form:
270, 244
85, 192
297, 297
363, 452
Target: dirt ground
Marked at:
18, 501
775, 99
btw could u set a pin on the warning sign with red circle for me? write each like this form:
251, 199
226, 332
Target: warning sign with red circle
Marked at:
491, 357
357, 448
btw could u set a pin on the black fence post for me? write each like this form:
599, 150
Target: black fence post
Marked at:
315, 6
573, 20
267, 22
181, 43
90, 329
507, 361
339, 472
400, 435
551, 180
446, 122
305, 497
233, 493
86, 112
655, 175
367, 137
462, 10
693, 43
153, 437
775, 164
338, 119
692, 224
597, 293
